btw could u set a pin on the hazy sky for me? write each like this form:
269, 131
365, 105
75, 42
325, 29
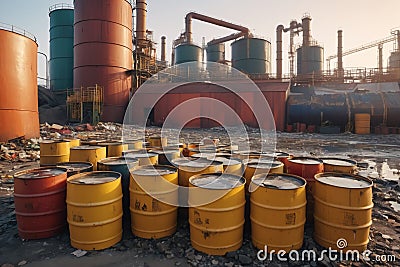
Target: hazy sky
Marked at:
362, 21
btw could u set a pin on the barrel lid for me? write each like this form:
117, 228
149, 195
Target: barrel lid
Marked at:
54, 141
165, 151
139, 154
75, 166
217, 181
40, 173
278, 181
156, 137
93, 178
118, 161
86, 147
228, 162
339, 162
265, 164
195, 163
280, 154
110, 144
305, 160
150, 170
344, 180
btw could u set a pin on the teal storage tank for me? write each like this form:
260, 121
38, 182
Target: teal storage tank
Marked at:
216, 52
252, 55
61, 46
188, 53
310, 60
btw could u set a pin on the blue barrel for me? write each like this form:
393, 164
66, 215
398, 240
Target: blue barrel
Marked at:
310, 60
216, 52
188, 53
252, 55
61, 46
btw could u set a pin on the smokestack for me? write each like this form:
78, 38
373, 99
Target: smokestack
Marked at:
163, 49
306, 22
279, 31
141, 10
340, 52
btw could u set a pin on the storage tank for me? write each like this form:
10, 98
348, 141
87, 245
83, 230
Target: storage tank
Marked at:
103, 52
252, 55
188, 53
310, 60
61, 47
394, 60
216, 52
18, 82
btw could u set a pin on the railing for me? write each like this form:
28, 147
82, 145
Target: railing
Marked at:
60, 6
14, 29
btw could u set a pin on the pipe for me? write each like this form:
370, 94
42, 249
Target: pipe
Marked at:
47, 69
279, 31
141, 11
163, 48
204, 18
380, 59
233, 36
340, 53
306, 22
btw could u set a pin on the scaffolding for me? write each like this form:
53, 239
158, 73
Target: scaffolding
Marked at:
85, 105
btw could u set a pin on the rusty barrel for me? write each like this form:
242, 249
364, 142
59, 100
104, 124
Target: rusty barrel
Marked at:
362, 123
153, 190
216, 212
342, 210
258, 166
166, 156
39, 197
159, 141
53, 152
144, 157
114, 149
94, 206
122, 165
277, 211
76, 167
187, 167
91, 154
307, 168
339, 165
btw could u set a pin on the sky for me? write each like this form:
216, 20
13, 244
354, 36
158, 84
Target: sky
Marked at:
362, 21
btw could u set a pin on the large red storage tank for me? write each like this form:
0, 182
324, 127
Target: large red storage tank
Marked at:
18, 84
103, 51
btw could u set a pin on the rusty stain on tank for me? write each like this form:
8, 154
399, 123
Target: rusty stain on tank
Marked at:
103, 51
18, 94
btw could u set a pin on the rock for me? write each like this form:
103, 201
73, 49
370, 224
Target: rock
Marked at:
7, 265
122, 248
229, 264
231, 255
162, 247
387, 237
313, 264
21, 263
198, 257
79, 253
245, 260
214, 262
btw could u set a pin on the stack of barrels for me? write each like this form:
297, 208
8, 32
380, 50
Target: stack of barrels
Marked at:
98, 187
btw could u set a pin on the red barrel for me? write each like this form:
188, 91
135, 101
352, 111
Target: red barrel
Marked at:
307, 168
39, 197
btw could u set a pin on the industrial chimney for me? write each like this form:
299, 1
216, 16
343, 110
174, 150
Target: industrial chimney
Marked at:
306, 23
163, 49
141, 10
340, 53
279, 31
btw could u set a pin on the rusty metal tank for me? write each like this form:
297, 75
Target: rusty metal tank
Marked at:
18, 83
103, 51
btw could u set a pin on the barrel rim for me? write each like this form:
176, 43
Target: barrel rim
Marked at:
337, 174
64, 170
110, 159
240, 182
266, 175
154, 167
339, 159
54, 141
112, 143
278, 164
73, 169
86, 147
301, 157
189, 159
78, 175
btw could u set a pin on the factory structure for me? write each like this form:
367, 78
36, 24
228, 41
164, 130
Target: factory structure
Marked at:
99, 57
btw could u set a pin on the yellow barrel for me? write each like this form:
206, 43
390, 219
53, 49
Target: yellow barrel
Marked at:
134, 144
216, 212
166, 156
114, 149
94, 210
342, 210
91, 142
73, 142
152, 191
231, 166
362, 123
339, 165
144, 157
259, 166
156, 140
91, 154
278, 211
187, 167
53, 152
